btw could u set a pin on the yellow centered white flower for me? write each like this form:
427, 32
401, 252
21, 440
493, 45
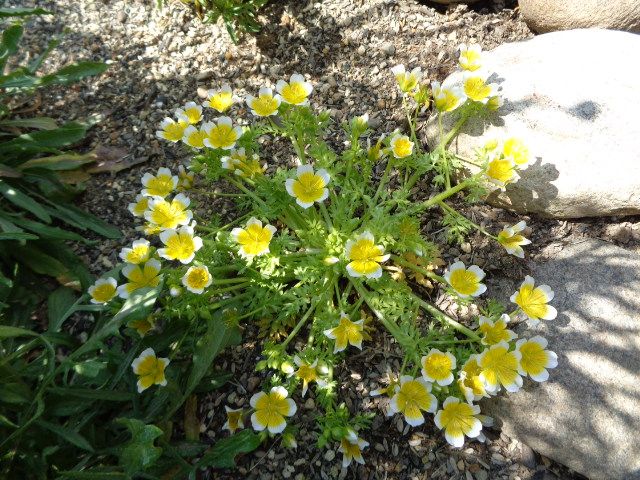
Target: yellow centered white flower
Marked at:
401, 146
185, 178
140, 206
220, 100
296, 91
241, 165
535, 359
458, 419
438, 367
307, 372
254, 239
159, 185
511, 239
412, 397
194, 137
166, 214
494, 103
469, 381
500, 367
465, 281
534, 301
501, 171
265, 104
270, 410
352, 451
103, 290
149, 369
346, 333
475, 87
143, 325
447, 96
181, 244
515, 149
171, 130
407, 81
143, 276
495, 332
190, 113
234, 419
221, 134
138, 253
470, 56
365, 256
197, 278
308, 186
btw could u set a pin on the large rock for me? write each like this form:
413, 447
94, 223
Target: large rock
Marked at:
587, 415
551, 15
572, 97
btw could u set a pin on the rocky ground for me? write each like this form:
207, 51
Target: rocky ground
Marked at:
159, 59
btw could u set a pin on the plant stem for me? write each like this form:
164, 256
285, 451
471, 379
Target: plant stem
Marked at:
230, 289
383, 180
453, 211
418, 269
299, 325
444, 318
226, 281
327, 218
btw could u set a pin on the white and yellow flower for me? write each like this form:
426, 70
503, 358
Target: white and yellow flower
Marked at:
535, 359
469, 381
265, 104
307, 373
470, 56
308, 187
401, 146
242, 165
407, 81
494, 103
438, 367
140, 206
458, 419
495, 332
147, 275
103, 290
234, 419
447, 96
165, 214
512, 240
190, 113
516, 149
476, 88
500, 367
352, 450
137, 253
143, 325
220, 100
534, 301
150, 370
467, 282
159, 185
296, 91
185, 179
365, 256
194, 137
411, 399
501, 171
346, 333
197, 278
271, 409
254, 239
181, 244
171, 130
221, 133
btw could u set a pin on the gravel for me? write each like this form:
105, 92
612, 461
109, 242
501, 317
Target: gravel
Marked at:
159, 59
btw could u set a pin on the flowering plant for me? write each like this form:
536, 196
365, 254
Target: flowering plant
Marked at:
322, 244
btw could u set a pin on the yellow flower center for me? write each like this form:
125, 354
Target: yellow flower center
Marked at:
532, 301
265, 105
412, 398
180, 246
446, 100
517, 150
222, 136
534, 358
138, 254
162, 185
306, 373
142, 326
255, 239
150, 371
500, 170
499, 366
175, 131
143, 277
476, 89
271, 409
457, 418
438, 366
407, 81
350, 450
196, 138
193, 115
168, 215
294, 93
104, 292
308, 187
510, 241
464, 281
469, 60
198, 278
365, 256
494, 333
141, 206
221, 101
402, 147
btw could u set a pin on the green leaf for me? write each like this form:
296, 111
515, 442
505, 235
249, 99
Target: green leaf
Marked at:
23, 201
213, 382
83, 220
44, 140
65, 161
39, 262
23, 12
18, 236
10, 41
87, 393
223, 453
67, 434
49, 232
39, 123
140, 452
61, 305
92, 475
10, 332
73, 73
90, 368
